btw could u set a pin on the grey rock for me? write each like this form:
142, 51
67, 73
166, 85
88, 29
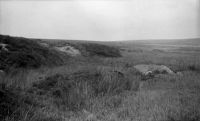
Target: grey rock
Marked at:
150, 69
69, 50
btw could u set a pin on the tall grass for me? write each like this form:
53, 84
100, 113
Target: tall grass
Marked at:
73, 90
104, 89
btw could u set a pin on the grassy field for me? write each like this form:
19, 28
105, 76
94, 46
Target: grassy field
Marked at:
102, 85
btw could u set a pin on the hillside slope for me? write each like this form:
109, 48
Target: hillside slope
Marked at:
17, 52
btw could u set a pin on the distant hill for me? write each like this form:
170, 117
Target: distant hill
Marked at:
195, 41
89, 48
19, 52
191, 41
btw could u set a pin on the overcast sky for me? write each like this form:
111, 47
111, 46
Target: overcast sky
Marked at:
101, 19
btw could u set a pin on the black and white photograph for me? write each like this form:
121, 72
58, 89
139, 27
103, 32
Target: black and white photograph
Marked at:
99, 60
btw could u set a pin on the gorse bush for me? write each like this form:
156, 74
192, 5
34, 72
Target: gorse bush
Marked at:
90, 48
12, 105
101, 50
8, 103
26, 53
21, 106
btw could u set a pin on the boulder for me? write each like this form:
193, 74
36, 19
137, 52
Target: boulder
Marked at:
3, 47
153, 69
43, 44
69, 50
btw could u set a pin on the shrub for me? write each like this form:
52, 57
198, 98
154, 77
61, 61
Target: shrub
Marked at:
26, 53
17, 105
101, 50
193, 67
8, 103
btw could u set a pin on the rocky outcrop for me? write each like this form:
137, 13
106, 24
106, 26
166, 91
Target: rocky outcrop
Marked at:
153, 69
43, 44
69, 50
3, 47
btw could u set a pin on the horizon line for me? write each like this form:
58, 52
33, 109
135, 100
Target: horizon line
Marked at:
98, 40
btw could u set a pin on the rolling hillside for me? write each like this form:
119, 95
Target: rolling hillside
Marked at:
97, 81
18, 52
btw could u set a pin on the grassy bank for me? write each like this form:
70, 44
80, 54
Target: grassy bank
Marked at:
101, 88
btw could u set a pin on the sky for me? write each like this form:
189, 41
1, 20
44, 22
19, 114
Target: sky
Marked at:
105, 20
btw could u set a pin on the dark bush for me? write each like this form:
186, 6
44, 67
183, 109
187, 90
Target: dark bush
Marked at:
26, 53
101, 50
16, 105
8, 103
193, 68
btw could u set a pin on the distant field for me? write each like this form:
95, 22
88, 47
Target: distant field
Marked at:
103, 85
